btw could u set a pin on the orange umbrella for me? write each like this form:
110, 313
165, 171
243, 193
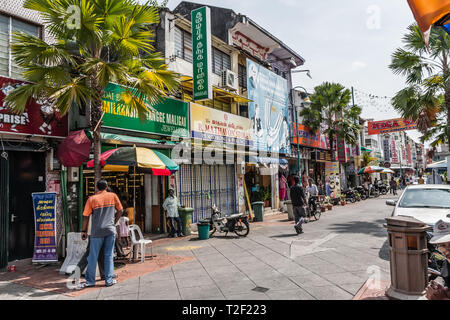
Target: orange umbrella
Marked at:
428, 12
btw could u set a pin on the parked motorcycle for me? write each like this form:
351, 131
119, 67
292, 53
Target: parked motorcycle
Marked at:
237, 223
362, 191
435, 259
350, 195
374, 191
383, 188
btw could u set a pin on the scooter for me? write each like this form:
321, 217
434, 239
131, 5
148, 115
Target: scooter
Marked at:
435, 259
350, 195
362, 192
237, 223
383, 188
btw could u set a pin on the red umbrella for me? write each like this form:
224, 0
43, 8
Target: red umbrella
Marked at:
75, 149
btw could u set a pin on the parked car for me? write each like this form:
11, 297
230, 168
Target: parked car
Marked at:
427, 203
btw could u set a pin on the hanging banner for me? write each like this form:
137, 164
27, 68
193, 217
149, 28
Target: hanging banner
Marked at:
202, 53
408, 153
386, 150
333, 178
392, 125
44, 204
268, 109
394, 152
341, 152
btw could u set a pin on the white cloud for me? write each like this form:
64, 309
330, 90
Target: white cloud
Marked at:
357, 65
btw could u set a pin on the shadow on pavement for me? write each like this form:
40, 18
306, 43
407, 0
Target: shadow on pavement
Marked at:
369, 228
384, 251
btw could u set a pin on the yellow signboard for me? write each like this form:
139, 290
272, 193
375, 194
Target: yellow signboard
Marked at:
215, 125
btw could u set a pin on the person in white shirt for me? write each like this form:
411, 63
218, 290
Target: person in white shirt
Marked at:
171, 205
313, 192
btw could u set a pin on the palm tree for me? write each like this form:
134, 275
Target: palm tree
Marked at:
426, 97
330, 106
96, 42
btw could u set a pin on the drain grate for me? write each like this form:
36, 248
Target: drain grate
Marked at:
260, 289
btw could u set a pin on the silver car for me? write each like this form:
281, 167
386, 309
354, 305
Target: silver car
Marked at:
427, 203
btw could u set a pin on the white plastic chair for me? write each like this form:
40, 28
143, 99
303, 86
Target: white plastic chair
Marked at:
141, 241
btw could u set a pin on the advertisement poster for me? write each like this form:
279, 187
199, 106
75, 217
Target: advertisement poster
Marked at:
165, 118
394, 152
44, 205
215, 125
40, 118
341, 152
268, 109
391, 125
333, 178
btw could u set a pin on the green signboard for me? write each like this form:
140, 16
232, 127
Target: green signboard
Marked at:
202, 53
166, 118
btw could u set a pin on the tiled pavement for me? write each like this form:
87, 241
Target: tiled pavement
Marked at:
290, 266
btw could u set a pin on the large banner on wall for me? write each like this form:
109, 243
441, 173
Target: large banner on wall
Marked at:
305, 136
165, 118
215, 125
40, 118
268, 109
44, 205
392, 125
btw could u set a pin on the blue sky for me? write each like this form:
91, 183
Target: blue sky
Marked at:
347, 41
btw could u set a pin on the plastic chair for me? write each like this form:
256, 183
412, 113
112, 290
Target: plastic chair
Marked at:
141, 241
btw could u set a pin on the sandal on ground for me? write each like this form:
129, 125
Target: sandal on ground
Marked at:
84, 285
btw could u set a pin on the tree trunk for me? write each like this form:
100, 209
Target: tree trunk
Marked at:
96, 113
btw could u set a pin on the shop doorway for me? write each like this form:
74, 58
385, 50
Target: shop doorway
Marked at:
27, 175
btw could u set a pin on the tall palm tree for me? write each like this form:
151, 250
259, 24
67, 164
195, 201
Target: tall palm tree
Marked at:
96, 42
426, 97
330, 106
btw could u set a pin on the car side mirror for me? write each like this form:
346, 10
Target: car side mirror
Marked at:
391, 203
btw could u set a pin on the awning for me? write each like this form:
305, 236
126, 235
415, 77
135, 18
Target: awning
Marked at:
218, 93
113, 138
364, 149
438, 165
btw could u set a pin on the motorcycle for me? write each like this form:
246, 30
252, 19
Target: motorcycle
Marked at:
435, 259
374, 191
313, 209
383, 188
237, 223
362, 192
350, 195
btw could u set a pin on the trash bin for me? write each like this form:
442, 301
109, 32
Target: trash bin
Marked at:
290, 210
408, 256
186, 219
258, 209
203, 230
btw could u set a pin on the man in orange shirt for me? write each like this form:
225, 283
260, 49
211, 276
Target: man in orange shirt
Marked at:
105, 209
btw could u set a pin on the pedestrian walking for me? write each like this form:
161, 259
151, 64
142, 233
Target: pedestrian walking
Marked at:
393, 185
298, 203
105, 209
421, 179
171, 205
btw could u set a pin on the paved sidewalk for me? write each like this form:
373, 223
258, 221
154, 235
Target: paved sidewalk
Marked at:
331, 260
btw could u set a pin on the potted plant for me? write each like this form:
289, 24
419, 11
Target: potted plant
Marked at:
265, 195
328, 203
342, 197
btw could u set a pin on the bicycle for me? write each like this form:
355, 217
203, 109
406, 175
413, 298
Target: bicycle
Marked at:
313, 209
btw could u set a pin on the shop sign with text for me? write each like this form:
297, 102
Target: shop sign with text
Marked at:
215, 125
166, 118
305, 136
202, 53
392, 125
40, 118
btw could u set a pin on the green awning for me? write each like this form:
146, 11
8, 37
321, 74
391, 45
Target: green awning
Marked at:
123, 139
365, 149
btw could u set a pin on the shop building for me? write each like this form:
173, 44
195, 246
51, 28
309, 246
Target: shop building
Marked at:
239, 46
27, 145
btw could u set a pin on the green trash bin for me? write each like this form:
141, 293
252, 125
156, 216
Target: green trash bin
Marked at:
186, 219
203, 230
258, 210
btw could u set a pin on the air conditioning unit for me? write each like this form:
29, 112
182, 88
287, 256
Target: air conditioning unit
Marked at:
229, 80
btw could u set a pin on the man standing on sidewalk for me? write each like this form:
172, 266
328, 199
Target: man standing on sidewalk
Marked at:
171, 205
101, 208
298, 203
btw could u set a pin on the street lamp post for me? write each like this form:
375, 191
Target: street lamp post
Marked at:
306, 104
